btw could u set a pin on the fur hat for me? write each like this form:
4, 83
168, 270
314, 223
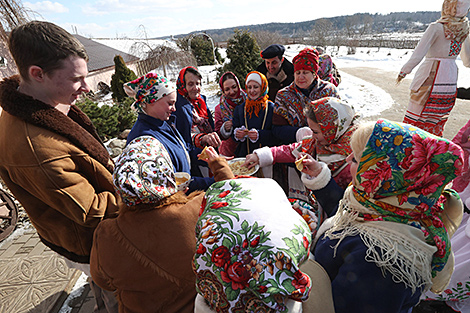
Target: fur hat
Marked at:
273, 51
307, 59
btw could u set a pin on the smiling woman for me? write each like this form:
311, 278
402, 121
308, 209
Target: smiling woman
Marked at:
252, 122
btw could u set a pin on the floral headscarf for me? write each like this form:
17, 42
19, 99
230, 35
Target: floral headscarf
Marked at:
454, 19
250, 244
144, 172
227, 104
336, 120
307, 59
254, 106
200, 115
325, 69
148, 89
401, 175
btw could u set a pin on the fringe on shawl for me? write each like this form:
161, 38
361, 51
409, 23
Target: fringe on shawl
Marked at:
389, 252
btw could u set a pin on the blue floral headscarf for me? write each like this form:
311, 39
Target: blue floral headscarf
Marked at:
402, 174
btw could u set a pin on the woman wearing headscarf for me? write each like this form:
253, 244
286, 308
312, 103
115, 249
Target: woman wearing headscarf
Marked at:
291, 100
232, 95
332, 123
327, 69
252, 122
193, 117
155, 98
145, 255
390, 238
434, 86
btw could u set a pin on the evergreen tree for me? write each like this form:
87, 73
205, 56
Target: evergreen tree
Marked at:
243, 53
109, 121
201, 47
122, 74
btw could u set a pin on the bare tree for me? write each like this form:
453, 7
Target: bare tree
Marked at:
164, 58
365, 25
12, 14
320, 32
266, 38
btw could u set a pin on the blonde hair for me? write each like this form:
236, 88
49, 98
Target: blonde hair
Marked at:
360, 137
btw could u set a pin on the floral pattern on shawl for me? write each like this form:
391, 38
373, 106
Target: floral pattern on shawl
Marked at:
290, 102
227, 105
336, 120
250, 246
401, 175
148, 89
325, 69
144, 172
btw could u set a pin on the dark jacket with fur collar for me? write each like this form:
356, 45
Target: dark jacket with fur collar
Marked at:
58, 168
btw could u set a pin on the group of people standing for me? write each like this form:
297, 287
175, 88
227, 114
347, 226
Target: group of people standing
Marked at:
361, 223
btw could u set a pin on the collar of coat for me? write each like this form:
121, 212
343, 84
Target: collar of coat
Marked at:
76, 127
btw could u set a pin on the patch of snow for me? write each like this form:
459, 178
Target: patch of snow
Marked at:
76, 292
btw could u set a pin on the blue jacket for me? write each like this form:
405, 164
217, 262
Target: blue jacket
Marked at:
266, 137
358, 286
179, 151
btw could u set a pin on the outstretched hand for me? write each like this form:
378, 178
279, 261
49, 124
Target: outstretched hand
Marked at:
251, 160
310, 166
211, 154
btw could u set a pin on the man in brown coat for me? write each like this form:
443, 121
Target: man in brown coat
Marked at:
51, 157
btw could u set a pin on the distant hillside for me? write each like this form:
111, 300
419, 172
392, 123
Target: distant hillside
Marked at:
362, 22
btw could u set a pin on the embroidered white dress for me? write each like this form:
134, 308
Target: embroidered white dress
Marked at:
434, 86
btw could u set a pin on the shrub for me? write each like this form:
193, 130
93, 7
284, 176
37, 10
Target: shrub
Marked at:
109, 121
122, 74
243, 53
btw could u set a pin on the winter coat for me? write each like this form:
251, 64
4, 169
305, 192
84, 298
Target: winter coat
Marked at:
184, 117
145, 255
180, 152
228, 145
274, 84
184, 124
265, 135
58, 168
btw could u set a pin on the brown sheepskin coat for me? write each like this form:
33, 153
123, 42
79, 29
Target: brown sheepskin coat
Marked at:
145, 254
58, 168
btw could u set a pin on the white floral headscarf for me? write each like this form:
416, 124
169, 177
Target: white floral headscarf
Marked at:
144, 172
250, 245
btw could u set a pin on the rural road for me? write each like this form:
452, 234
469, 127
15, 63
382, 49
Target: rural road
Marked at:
400, 94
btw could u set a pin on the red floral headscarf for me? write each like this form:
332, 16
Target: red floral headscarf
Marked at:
199, 103
307, 59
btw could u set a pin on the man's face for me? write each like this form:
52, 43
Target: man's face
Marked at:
193, 85
66, 84
274, 65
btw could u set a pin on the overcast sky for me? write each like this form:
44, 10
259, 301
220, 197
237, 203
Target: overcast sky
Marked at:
119, 18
